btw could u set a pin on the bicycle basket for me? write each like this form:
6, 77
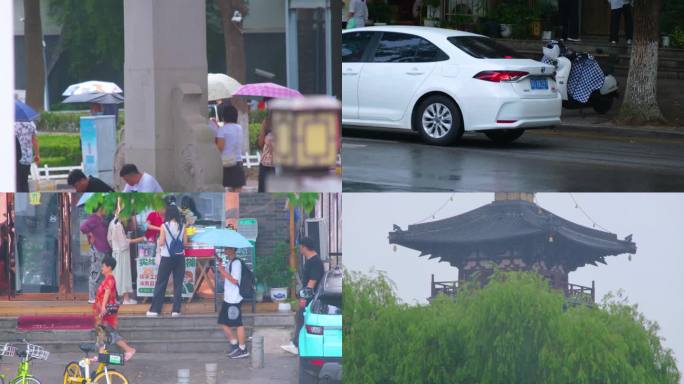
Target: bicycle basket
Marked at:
111, 358
8, 350
36, 352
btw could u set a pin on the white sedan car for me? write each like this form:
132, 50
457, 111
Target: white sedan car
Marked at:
442, 82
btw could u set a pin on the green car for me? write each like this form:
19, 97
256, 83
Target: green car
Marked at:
320, 339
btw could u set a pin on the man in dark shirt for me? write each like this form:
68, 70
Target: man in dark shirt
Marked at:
313, 274
313, 266
83, 183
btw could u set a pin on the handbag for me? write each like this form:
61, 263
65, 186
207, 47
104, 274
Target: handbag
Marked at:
113, 308
351, 24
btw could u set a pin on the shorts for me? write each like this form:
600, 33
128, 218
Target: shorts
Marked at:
230, 315
234, 177
113, 335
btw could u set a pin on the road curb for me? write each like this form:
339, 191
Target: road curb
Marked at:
620, 131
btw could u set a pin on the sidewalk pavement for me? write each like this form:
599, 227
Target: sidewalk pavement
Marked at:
280, 367
591, 122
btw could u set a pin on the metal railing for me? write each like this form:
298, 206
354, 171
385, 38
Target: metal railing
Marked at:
575, 293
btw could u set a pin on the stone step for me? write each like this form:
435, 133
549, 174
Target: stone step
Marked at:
180, 345
186, 321
132, 334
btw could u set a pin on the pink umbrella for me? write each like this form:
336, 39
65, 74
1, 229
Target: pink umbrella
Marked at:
271, 90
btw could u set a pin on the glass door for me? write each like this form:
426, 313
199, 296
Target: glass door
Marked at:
37, 243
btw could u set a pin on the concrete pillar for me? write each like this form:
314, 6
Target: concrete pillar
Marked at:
165, 85
7, 144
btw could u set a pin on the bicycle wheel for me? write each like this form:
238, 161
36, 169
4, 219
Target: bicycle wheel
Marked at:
25, 380
72, 374
114, 378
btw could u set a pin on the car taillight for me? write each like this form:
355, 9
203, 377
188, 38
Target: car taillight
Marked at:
499, 76
317, 362
302, 303
314, 330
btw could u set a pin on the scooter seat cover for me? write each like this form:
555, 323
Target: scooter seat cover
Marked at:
586, 76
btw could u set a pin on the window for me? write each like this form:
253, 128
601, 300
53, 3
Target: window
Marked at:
403, 48
328, 305
354, 45
484, 48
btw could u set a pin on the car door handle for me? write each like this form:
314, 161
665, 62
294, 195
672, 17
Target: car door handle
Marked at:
350, 74
415, 73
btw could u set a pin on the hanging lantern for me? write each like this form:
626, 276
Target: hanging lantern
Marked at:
307, 132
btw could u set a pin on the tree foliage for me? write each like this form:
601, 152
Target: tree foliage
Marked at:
130, 203
516, 329
92, 33
305, 200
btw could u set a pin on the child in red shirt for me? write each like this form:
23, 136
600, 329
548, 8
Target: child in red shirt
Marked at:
106, 294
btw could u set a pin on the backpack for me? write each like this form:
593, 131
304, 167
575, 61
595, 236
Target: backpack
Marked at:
176, 248
247, 280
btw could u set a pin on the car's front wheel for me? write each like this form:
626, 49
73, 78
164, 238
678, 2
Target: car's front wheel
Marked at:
439, 121
504, 136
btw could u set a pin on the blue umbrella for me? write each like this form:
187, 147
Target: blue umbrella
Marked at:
23, 112
222, 237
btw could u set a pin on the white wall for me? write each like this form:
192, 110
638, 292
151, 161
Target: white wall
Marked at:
7, 157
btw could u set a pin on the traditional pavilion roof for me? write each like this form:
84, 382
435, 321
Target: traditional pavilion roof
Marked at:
510, 227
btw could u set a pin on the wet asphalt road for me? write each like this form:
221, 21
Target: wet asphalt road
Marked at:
540, 161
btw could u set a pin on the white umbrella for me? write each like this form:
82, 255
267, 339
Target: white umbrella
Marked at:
221, 86
93, 86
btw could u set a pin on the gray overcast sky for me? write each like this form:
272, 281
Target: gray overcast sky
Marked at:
652, 279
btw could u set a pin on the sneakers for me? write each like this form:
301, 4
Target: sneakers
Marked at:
152, 314
175, 314
234, 349
613, 42
240, 354
91, 301
290, 348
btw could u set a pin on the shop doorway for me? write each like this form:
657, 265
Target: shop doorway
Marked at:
37, 244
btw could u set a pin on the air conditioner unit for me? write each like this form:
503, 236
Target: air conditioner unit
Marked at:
317, 230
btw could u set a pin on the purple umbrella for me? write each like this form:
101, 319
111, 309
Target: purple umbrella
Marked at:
271, 90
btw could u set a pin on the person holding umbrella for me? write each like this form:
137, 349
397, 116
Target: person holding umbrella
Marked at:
234, 271
27, 135
229, 142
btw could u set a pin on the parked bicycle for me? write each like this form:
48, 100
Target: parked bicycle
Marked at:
80, 372
9, 351
32, 352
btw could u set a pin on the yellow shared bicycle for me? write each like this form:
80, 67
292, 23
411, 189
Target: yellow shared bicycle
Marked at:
80, 372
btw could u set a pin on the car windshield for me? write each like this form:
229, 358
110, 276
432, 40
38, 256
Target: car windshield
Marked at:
327, 305
483, 47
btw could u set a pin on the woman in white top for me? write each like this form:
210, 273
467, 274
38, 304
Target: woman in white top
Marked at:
171, 255
121, 246
229, 142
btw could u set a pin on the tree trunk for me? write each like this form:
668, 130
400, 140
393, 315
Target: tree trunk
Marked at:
235, 57
33, 37
640, 106
233, 38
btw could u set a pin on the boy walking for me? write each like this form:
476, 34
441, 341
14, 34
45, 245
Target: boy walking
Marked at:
230, 315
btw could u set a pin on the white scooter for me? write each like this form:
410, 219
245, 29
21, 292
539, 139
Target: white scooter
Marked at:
601, 99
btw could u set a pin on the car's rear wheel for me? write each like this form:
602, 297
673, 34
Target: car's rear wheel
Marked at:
305, 378
439, 121
504, 136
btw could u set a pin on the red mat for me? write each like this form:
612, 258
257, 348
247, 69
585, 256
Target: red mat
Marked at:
55, 322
